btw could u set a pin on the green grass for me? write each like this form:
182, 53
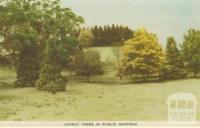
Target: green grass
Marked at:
84, 101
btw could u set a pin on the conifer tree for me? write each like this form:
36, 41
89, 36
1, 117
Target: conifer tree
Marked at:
190, 49
174, 67
21, 37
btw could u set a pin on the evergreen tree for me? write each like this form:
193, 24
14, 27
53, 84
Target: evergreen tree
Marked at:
94, 30
174, 67
110, 35
20, 36
28, 66
190, 49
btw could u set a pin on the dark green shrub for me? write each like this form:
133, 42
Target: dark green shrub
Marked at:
171, 72
50, 78
4, 61
88, 63
28, 66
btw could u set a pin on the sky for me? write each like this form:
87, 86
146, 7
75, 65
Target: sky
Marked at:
163, 17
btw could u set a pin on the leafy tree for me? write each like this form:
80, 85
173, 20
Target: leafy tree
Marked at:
19, 36
88, 63
142, 55
174, 67
190, 49
61, 26
29, 26
85, 38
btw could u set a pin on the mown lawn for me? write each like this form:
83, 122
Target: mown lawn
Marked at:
94, 101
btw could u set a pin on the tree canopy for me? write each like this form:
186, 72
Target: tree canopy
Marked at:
85, 38
190, 49
110, 35
142, 55
39, 26
174, 66
88, 63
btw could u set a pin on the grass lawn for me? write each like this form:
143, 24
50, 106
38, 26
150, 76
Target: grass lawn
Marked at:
83, 101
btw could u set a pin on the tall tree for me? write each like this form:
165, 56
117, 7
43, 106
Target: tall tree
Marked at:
61, 26
174, 67
142, 55
190, 50
26, 24
172, 52
20, 36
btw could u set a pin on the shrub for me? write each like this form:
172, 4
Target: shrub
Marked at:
28, 67
171, 72
4, 61
87, 64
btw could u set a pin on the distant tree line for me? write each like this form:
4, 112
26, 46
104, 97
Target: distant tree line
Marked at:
110, 35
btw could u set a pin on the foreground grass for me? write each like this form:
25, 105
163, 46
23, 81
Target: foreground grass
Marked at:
83, 101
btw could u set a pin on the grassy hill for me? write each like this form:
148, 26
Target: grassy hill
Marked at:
108, 54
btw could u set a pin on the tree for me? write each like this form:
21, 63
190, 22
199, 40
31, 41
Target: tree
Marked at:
85, 38
88, 63
190, 49
60, 29
30, 24
110, 35
20, 36
174, 67
142, 55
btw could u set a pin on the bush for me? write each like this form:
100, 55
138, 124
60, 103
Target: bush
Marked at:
53, 86
50, 78
28, 67
87, 64
171, 72
51, 82
4, 61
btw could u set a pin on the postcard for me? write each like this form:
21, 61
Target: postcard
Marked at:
100, 63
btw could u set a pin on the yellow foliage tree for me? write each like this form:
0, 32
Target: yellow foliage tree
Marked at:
142, 55
85, 38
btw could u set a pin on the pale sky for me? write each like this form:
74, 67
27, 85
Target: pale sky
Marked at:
163, 17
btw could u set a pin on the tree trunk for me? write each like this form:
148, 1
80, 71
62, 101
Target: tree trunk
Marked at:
144, 78
120, 77
195, 74
88, 79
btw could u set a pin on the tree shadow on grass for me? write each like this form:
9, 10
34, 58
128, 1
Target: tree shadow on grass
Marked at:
72, 91
116, 81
